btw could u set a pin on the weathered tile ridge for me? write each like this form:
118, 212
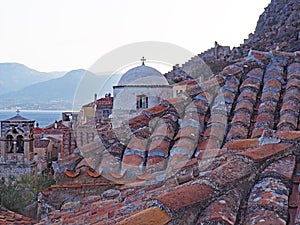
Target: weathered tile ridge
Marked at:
225, 154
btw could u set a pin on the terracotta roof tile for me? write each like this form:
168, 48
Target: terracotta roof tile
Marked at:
153, 216
183, 197
266, 119
215, 130
273, 84
272, 194
159, 147
217, 117
176, 103
258, 131
251, 83
242, 144
199, 106
209, 143
10, 217
293, 83
232, 70
248, 94
185, 167
289, 106
41, 143
155, 111
264, 217
244, 105
243, 118
155, 163
188, 132
283, 167
288, 135
237, 131
272, 95
227, 173
165, 130
292, 94
267, 107
183, 146
137, 122
288, 121
132, 161
266, 151
293, 71
223, 210
72, 174
93, 173
203, 87
136, 143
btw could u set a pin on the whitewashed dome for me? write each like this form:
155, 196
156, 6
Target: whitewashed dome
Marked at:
143, 75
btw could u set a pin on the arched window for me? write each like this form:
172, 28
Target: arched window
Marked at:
9, 145
142, 102
20, 144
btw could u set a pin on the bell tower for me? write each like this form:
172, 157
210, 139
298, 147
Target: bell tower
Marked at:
16, 146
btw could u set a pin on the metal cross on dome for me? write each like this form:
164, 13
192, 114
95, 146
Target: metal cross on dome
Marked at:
143, 60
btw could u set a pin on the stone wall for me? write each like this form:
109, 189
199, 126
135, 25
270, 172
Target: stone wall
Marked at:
17, 170
277, 28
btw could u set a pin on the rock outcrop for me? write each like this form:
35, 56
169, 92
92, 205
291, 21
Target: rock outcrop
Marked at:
278, 28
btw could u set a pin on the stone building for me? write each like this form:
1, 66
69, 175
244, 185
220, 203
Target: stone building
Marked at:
139, 88
97, 111
17, 147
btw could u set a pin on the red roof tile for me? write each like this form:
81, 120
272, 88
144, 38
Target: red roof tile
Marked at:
165, 130
264, 217
242, 144
153, 216
132, 161
283, 167
41, 143
138, 121
159, 147
183, 197
183, 150
155, 111
266, 151
72, 173
223, 210
288, 135
10, 217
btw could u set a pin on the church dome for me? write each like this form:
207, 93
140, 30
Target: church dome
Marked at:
143, 75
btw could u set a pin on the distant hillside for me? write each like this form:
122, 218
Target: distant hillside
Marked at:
15, 76
56, 93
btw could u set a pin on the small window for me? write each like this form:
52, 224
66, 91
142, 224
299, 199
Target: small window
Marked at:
20, 144
142, 102
9, 145
105, 113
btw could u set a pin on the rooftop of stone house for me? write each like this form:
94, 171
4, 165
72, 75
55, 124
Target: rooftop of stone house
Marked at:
10, 217
106, 100
41, 143
227, 153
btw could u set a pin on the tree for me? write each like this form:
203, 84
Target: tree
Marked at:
16, 194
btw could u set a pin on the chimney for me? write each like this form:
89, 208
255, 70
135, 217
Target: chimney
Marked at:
95, 97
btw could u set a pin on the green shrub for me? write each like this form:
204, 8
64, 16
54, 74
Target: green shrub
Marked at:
16, 194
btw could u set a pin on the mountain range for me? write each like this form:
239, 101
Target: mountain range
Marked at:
25, 88
15, 76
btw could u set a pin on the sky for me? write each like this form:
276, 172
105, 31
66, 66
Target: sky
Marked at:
62, 35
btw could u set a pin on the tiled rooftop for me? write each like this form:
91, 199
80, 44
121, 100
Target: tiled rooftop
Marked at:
8, 217
225, 154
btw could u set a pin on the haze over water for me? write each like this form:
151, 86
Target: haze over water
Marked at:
43, 117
